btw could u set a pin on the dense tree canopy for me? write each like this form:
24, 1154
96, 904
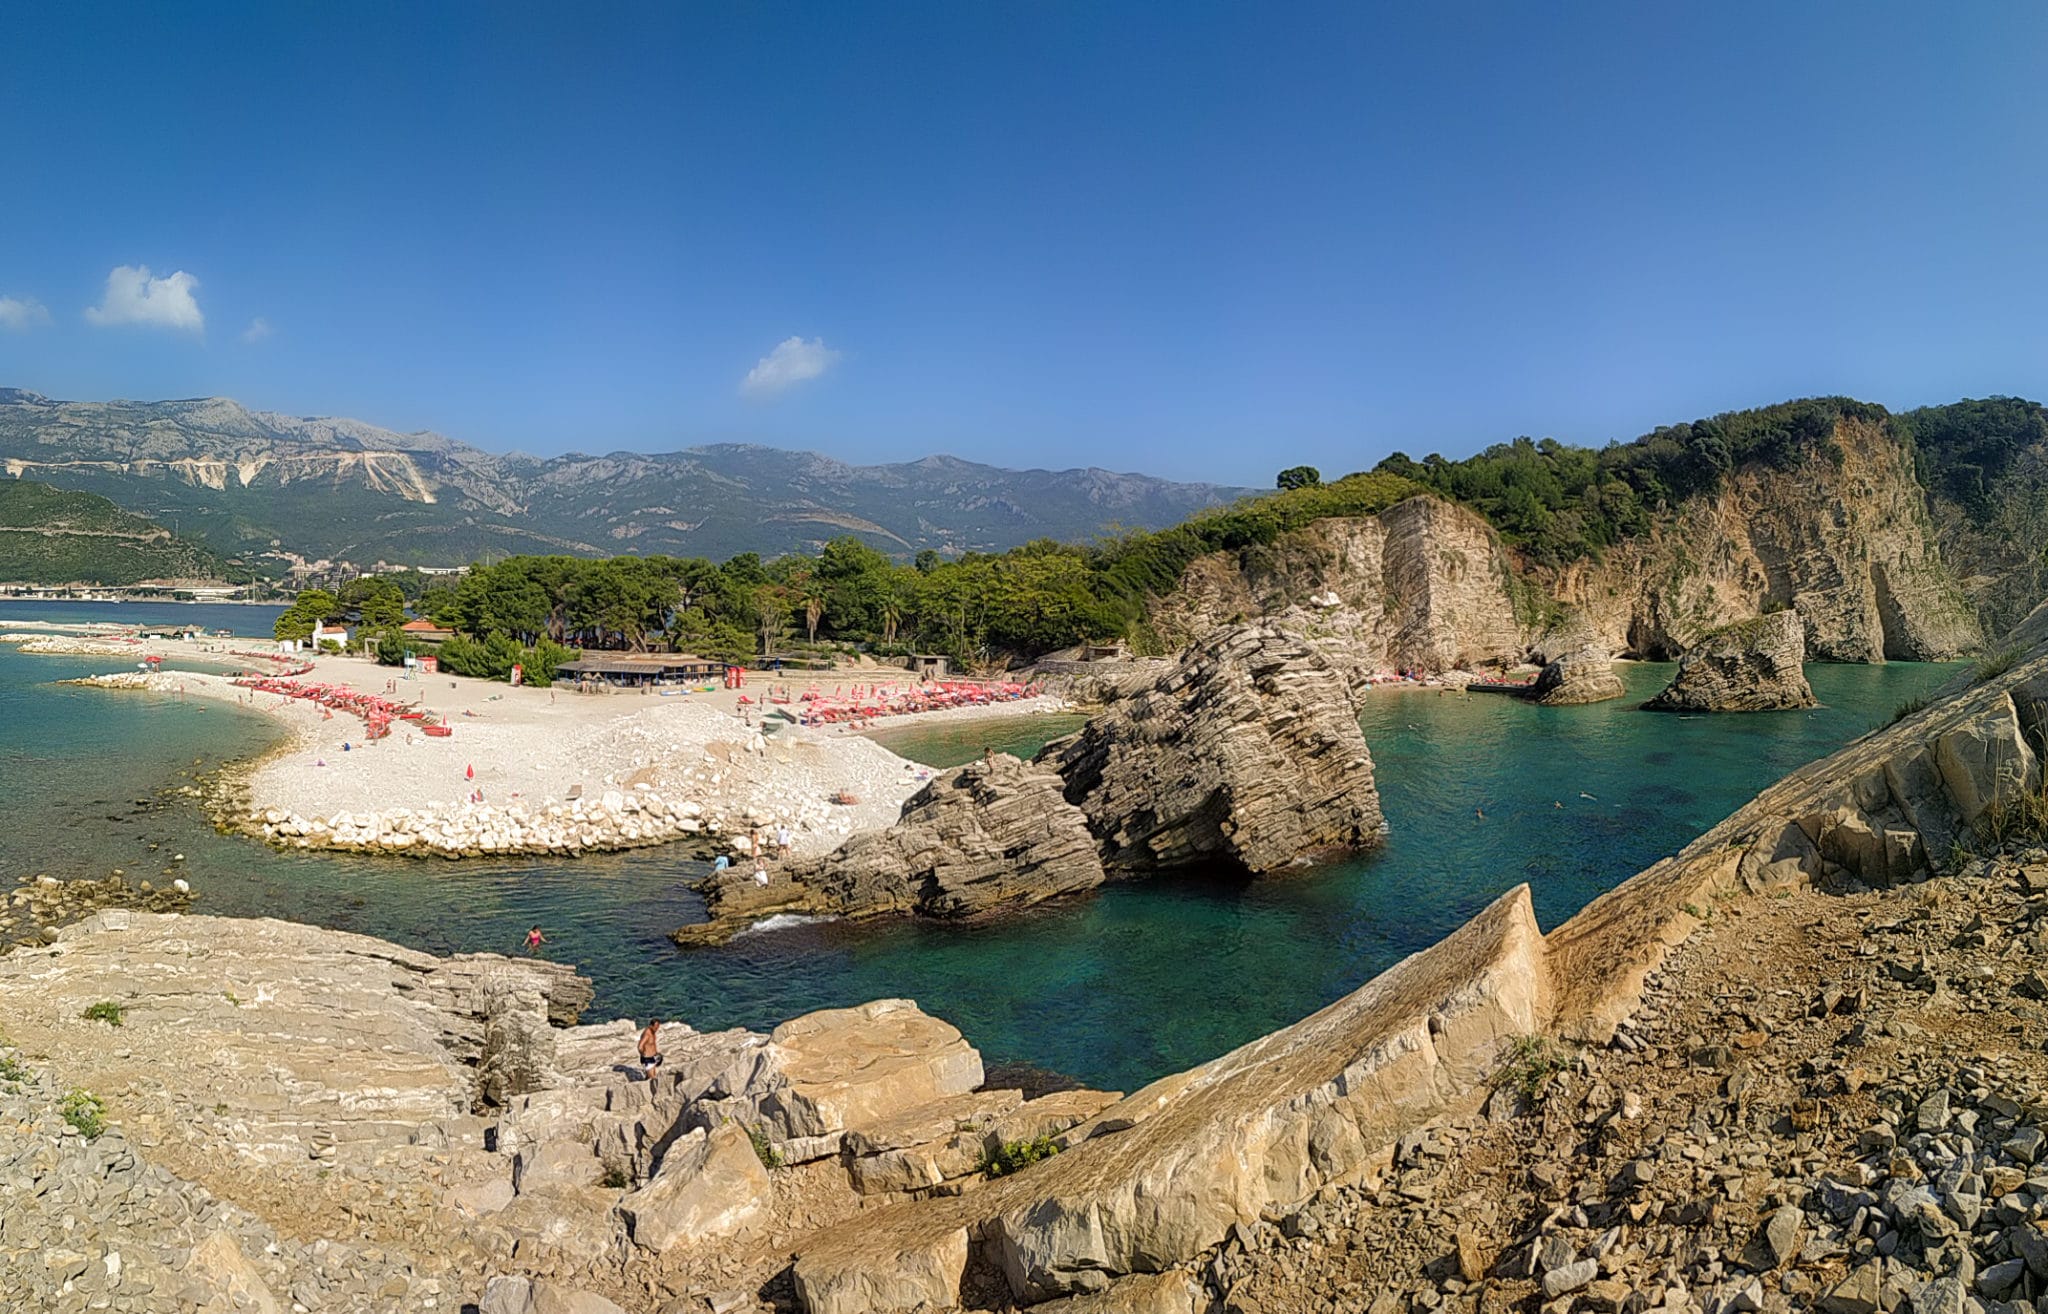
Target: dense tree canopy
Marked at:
1559, 503
1555, 502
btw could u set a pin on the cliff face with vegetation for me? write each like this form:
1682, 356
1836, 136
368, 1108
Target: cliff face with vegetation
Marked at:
1984, 465
1829, 520
1843, 537
1423, 585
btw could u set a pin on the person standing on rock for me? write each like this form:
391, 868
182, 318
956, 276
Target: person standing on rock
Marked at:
650, 1048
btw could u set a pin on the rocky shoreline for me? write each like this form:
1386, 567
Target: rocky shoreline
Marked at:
1797, 1065
41, 905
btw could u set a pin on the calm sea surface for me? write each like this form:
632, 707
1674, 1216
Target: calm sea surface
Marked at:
1133, 982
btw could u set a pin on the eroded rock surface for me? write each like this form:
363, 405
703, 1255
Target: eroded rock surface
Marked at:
1757, 666
992, 834
1424, 586
1247, 752
1585, 676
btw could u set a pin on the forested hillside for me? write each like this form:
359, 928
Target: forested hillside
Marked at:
50, 536
1638, 515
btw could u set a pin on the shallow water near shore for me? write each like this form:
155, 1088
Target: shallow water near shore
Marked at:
1115, 989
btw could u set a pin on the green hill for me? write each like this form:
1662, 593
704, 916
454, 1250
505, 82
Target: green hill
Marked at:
51, 536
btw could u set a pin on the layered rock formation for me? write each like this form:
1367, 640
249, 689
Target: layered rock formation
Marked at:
1757, 666
998, 833
1585, 676
1423, 586
351, 1098
1247, 752
1844, 538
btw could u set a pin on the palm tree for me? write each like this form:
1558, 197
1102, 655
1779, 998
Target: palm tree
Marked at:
892, 616
814, 611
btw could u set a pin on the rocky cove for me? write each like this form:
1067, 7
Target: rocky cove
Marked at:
484, 1117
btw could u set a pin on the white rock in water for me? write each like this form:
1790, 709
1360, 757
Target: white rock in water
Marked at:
181, 886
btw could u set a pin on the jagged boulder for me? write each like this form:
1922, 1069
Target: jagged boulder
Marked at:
519, 1045
825, 1073
992, 834
709, 1184
1757, 666
1246, 751
1585, 676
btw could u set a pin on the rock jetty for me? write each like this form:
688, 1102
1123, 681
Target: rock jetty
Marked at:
1247, 751
1584, 676
997, 833
1756, 666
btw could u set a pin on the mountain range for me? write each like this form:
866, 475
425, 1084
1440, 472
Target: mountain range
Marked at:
247, 483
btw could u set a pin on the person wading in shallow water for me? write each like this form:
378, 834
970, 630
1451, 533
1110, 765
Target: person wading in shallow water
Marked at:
534, 940
650, 1048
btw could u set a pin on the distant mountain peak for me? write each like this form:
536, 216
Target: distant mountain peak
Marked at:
252, 481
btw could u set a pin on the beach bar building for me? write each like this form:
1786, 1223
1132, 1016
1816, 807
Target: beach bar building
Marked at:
632, 669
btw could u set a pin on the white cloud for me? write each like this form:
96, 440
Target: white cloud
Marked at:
259, 329
20, 314
134, 297
792, 362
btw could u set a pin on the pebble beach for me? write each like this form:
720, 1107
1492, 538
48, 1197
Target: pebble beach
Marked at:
530, 770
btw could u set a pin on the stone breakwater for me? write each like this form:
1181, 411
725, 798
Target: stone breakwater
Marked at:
612, 822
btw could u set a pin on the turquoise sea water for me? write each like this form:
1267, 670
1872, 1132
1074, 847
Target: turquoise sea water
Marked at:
1133, 982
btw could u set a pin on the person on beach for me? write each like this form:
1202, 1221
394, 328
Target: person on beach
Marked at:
534, 940
782, 839
650, 1048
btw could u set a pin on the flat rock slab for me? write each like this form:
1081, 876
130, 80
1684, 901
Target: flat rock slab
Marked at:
306, 1035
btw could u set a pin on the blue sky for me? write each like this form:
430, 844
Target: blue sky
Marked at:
1204, 240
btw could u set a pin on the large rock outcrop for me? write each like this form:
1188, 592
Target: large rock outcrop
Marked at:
1424, 586
1757, 666
1247, 752
1585, 676
991, 834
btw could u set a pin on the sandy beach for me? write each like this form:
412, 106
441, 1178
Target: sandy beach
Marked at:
540, 770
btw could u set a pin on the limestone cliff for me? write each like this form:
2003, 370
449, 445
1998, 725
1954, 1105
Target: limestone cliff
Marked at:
1844, 538
1843, 535
1425, 585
